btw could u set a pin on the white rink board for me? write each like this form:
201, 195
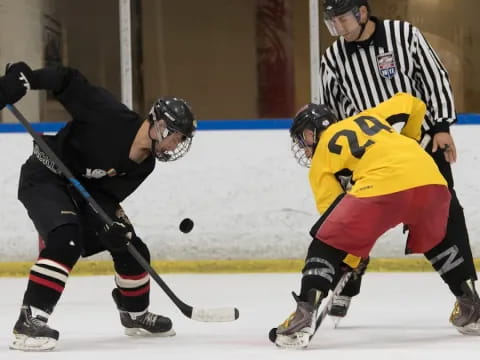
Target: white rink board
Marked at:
246, 194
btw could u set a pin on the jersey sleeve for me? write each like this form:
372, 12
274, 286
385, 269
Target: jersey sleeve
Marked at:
332, 93
404, 107
79, 97
433, 78
324, 184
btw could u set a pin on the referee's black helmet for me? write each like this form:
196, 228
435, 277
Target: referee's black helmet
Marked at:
338, 7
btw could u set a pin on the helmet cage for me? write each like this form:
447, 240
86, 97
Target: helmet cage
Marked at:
178, 118
298, 150
170, 155
312, 117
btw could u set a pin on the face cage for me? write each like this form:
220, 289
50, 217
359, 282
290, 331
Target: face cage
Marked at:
180, 151
171, 155
298, 150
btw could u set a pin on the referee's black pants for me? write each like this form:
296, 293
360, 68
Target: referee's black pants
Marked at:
457, 232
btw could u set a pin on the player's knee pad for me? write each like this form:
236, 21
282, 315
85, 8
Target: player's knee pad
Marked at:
62, 245
141, 247
321, 267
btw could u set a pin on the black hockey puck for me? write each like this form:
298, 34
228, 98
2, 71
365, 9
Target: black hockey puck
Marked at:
272, 335
186, 225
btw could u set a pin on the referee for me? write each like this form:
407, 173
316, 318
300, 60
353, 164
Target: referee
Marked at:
371, 61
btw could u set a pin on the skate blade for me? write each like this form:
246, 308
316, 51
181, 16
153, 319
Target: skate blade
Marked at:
299, 340
336, 320
25, 343
139, 332
470, 329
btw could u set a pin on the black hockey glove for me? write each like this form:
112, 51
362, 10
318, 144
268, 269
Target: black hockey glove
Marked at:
116, 237
14, 85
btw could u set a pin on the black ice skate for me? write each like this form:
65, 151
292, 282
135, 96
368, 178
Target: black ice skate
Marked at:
341, 303
146, 324
339, 309
297, 330
31, 333
466, 313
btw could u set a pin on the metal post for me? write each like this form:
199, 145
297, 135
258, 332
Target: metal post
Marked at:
314, 52
125, 51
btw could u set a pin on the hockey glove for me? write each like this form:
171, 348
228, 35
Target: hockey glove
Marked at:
115, 237
14, 85
358, 270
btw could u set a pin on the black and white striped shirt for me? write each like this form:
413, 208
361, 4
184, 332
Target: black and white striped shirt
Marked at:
397, 58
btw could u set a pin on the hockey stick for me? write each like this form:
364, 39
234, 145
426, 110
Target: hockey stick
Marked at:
302, 340
199, 314
338, 289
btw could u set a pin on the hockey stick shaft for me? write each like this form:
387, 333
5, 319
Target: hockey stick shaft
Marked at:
220, 314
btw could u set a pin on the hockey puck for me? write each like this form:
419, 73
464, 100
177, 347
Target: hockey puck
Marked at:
272, 335
186, 225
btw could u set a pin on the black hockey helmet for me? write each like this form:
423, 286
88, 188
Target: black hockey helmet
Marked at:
313, 117
338, 7
178, 117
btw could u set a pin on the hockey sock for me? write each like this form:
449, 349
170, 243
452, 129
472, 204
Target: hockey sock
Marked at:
321, 266
132, 281
50, 272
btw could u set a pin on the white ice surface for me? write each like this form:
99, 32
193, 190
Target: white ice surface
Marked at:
397, 316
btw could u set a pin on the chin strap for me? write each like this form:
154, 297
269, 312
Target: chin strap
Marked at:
154, 141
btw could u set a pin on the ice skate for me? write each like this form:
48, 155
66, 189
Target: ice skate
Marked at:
341, 303
31, 333
142, 324
339, 308
466, 312
297, 330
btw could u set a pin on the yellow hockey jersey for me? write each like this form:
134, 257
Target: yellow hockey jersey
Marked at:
381, 160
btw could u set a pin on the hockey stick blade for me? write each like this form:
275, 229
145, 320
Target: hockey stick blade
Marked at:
215, 314
199, 314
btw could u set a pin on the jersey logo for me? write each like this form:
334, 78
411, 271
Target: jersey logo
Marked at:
99, 173
25, 81
386, 65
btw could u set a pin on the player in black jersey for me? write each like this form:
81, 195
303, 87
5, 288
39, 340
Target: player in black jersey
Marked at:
111, 150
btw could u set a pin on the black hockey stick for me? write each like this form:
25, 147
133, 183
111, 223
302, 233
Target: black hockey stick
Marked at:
295, 342
195, 313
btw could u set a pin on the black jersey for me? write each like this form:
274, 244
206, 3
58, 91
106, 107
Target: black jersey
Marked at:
95, 144
359, 75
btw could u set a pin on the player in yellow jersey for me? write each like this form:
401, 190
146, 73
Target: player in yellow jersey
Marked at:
394, 181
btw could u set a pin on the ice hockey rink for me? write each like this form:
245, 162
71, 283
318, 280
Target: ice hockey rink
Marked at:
397, 316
